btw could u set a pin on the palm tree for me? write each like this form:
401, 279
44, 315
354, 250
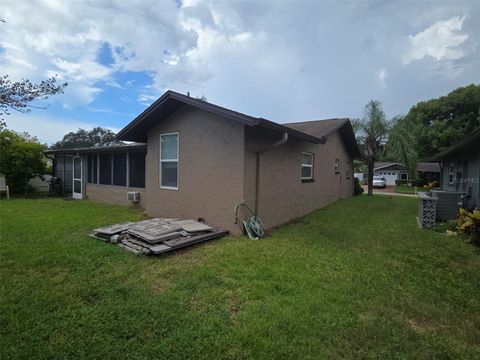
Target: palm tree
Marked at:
402, 144
372, 132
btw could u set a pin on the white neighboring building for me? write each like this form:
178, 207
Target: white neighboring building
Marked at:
390, 171
40, 186
393, 171
360, 176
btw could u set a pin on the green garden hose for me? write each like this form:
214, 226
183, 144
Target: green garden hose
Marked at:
253, 225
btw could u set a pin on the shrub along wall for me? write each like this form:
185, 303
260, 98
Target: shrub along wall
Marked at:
414, 182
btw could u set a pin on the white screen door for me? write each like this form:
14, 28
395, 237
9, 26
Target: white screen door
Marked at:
77, 177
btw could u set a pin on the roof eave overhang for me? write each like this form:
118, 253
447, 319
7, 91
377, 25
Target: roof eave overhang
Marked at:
387, 166
348, 135
125, 133
96, 150
128, 133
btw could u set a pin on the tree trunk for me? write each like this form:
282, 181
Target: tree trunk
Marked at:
370, 177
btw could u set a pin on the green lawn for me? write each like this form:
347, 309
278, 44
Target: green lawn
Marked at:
354, 280
409, 189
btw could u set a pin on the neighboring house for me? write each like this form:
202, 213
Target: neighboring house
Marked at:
460, 168
194, 159
393, 171
428, 171
40, 184
361, 177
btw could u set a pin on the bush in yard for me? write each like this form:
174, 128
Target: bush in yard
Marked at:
446, 226
418, 182
402, 182
21, 159
469, 223
357, 189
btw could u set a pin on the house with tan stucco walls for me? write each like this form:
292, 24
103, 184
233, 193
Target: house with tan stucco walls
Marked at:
187, 158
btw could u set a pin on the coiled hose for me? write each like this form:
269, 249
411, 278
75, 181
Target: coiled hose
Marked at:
253, 225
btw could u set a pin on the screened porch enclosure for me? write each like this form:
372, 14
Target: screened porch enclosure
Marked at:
64, 171
111, 169
121, 169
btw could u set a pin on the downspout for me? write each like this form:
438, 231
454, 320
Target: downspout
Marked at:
258, 154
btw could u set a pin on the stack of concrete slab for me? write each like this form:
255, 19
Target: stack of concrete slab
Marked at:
156, 236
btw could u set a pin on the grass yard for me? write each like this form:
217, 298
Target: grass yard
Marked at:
409, 189
354, 280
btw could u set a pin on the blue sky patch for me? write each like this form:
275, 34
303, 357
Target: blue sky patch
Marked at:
105, 55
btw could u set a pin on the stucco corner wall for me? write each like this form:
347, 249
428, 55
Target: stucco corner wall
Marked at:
114, 195
283, 195
211, 168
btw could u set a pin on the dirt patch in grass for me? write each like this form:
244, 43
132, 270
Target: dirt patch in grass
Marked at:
422, 326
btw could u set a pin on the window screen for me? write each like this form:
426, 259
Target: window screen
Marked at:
77, 168
68, 175
136, 164
92, 169
89, 169
106, 169
169, 174
120, 169
307, 165
169, 161
337, 166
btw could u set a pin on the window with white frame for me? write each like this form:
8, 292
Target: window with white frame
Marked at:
169, 161
307, 166
337, 166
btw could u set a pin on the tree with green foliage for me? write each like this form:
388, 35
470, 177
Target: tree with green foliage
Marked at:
444, 121
21, 159
20, 95
87, 138
402, 144
371, 132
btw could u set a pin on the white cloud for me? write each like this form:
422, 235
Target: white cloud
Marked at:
146, 99
441, 41
66, 38
48, 130
382, 76
281, 60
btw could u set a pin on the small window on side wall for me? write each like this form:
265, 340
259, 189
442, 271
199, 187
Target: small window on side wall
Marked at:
307, 166
169, 161
337, 166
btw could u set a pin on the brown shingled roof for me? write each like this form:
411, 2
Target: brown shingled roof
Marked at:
322, 129
318, 128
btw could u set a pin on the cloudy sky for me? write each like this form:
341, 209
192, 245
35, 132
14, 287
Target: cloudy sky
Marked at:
284, 61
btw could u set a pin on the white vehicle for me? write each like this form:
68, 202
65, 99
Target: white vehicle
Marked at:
379, 182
